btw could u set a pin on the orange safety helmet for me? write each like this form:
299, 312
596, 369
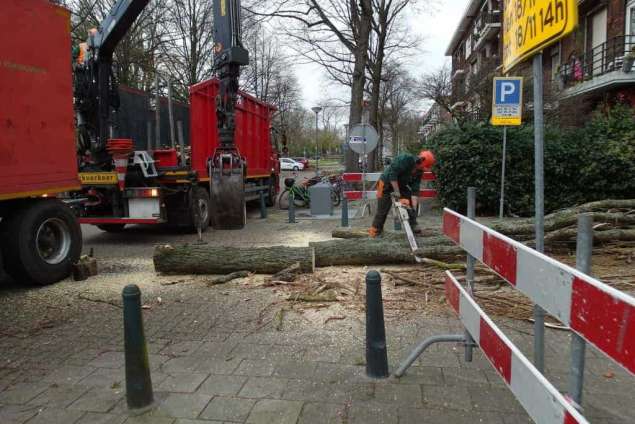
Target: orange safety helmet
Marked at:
427, 159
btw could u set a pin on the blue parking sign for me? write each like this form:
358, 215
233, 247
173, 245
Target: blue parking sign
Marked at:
507, 101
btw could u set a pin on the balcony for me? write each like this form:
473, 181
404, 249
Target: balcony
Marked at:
598, 69
487, 26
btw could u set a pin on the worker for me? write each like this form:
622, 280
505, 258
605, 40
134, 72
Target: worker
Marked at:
401, 181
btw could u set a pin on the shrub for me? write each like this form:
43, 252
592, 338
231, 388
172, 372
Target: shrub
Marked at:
584, 164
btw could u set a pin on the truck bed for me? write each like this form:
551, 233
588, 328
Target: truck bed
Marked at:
37, 141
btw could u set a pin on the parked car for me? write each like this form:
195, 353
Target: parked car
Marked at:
303, 161
288, 164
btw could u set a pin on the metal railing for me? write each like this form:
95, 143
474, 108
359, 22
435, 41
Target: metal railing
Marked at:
601, 59
486, 18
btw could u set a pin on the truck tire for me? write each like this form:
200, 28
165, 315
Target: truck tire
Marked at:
44, 241
112, 228
199, 208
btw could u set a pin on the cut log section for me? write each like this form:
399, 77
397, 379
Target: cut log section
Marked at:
374, 252
190, 259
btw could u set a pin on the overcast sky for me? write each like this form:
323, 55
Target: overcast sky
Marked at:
436, 27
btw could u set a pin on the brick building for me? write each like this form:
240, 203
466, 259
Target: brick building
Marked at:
581, 70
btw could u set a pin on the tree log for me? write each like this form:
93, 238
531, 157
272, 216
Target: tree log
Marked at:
374, 252
190, 259
356, 233
570, 234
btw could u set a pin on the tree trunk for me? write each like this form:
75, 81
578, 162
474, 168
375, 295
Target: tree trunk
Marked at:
374, 252
190, 259
360, 233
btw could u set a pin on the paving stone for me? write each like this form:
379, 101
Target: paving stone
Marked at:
464, 376
17, 414
149, 418
224, 385
422, 375
59, 396
255, 368
216, 348
436, 416
325, 354
181, 405
98, 400
228, 409
295, 369
107, 378
55, 416
340, 373
494, 399
268, 411
186, 421
218, 365
180, 348
99, 418
182, 382
399, 394
323, 413
316, 391
68, 374
251, 351
108, 360
22, 392
286, 352
263, 387
377, 413
447, 397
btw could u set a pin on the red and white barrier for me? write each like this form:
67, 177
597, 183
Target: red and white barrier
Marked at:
602, 315
542, 401
358, 177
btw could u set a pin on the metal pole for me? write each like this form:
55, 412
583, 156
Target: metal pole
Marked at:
149, 131
138, 381
502, 203
157, 113
344, 212
376, 353
179, 128
584, 251
317, 147
469, 270
423, 346
171, 115
539, 199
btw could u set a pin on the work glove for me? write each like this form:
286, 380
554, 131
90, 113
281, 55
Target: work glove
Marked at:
395, 195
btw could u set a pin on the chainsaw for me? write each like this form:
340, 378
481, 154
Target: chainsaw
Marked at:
401, 211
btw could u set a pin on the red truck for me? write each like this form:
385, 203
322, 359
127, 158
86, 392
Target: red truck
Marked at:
45, 166
40, 237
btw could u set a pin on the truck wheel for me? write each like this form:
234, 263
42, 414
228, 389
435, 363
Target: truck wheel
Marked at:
270, 200
44, 240
199, 209
112, 228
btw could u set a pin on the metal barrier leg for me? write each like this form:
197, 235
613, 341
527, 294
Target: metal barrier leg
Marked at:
469, 271
584, 251
138, 382
424, 345
263, 205
376, 353
291, 208
344, 212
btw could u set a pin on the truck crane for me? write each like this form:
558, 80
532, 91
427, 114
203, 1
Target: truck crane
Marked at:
223, 202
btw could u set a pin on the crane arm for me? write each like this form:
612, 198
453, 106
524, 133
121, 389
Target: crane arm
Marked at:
115, 26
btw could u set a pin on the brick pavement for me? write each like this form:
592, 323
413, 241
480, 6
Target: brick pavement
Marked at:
213, 361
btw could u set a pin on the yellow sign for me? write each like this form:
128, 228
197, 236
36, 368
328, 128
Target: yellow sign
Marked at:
531, 25
223, 7
98, 178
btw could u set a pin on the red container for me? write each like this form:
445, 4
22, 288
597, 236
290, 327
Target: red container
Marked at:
166, 158
37, 135
253, 122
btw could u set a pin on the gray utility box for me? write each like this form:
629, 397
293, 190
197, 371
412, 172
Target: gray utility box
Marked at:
320, 195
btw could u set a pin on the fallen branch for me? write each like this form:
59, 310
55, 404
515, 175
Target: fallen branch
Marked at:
443, 265
304, 297
227, 278
107, 302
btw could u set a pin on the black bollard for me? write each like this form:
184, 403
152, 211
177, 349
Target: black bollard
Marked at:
376, 353
291, 208
263, 205
344, 212
138, 381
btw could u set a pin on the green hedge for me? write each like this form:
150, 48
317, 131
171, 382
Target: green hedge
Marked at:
585, 164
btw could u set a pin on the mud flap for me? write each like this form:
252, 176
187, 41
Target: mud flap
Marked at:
227, 194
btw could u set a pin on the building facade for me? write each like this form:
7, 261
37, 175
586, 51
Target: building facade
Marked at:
587, 67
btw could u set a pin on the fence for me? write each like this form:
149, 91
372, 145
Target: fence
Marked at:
358, 177
597, 313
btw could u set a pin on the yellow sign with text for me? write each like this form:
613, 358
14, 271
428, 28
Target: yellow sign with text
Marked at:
98, 178
531, 25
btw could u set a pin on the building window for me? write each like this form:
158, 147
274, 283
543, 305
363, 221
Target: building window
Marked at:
630, 25
555, 60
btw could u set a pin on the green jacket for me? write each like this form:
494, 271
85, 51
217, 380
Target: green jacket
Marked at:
403, 169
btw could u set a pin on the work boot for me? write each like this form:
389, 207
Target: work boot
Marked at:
374, 232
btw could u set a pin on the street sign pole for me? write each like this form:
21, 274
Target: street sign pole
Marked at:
500, 212
539, 200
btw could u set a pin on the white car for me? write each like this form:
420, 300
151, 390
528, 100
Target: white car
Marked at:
288, 164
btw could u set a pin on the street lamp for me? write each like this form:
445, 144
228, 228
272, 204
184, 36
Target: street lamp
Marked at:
317, 109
